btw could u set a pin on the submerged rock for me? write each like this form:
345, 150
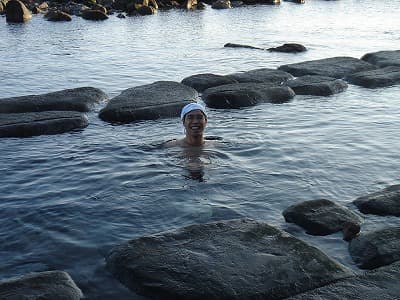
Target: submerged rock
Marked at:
383, 58
377, 248
320, 217
148, 102
385, 202
267, 75
317, 85
235, 259
94, 15
246, 94
40, 123
40, 286
232, 45
201, 82
17, 12
58, 16
337, 67
289, 48
382, 283
376, 78
221, 4
80, 99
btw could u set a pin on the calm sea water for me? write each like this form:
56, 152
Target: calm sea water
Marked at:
65, 200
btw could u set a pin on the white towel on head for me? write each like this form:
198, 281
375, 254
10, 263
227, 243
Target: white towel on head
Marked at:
192, 106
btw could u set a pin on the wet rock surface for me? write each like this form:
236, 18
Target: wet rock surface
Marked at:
383, 58
17, 12
321, 216
385, 202
289, 48
236, 259
376, 78
40, 286
246, 94
377, 248
336, 67
40, 123
201, 82
317, 85
148, 102
266, 75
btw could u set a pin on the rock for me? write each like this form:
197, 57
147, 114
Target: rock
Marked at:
190, 4
296, 1
48, 285
200, 82
320, 217
221, 4
16, 12
382, 283
231, 45
383, 58
75, 9
289, 48
235, 259
94, 15
246, 94
99, 8
385, 202
40, 123
266, 75
148, 102
146, 10
377, 248
376, 78
40, 8
121, 16
317, 85
58, 16
337, 67
3, 4
79, 99
350, 230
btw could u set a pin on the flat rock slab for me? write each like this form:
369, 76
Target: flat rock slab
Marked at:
289, 47
336, 67
382, 284
317, 85
40, 286
266, 75
383, 58
376, 78
148, 102
385, 202
201, 82
321, 216
80, 99
246, 94
236, 259
377, 248
40, 123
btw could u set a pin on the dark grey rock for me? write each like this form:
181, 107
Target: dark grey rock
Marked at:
235, 259
80, 99
40, 286
232, 45
221, 4
148, 102
16, 12
337, 67
246, 94
383, 58
39, 123
316, 85
385, 202
262, 75
200, 82
145, 10
376, 78
377, 248
382, 284
289, 47
320, 217
58, 16
94, 15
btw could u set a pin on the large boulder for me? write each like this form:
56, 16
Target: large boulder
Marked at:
289, 48
237, 259
385, 202
383, 58
201, 82
16, 12
382, 284
246, 94
221, 4
321, 216
376, 78
3, 4
337, 67
48, 285
148, 102
316, 85
94, 15
262, 75
377, 248
80, 99
58, 16
39, 123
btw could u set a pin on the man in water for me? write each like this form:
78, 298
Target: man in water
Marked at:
194, 120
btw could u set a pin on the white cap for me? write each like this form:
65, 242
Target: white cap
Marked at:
192, 106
